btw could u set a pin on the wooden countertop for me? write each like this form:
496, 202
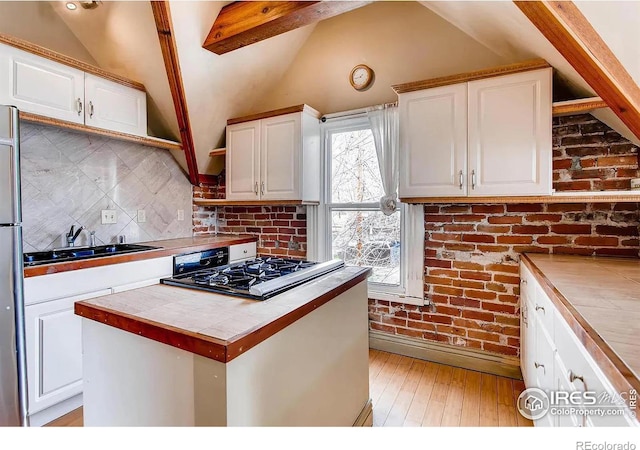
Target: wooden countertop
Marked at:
216, 326
599, 297
167, 247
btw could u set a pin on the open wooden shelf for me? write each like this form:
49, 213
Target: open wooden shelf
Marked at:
556, 197
144, 140
218, 152
223, 202
581, 105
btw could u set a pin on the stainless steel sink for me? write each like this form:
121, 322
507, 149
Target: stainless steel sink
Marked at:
77, 253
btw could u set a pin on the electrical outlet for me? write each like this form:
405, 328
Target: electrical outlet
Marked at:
293, 245
277, 244
142, 216
109, 216
181, 214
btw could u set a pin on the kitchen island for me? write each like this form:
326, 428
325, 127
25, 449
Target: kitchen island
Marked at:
165, 356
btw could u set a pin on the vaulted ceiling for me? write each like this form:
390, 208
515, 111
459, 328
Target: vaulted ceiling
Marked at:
401, 41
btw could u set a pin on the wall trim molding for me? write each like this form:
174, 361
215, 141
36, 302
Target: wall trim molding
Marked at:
365, 418
467, 358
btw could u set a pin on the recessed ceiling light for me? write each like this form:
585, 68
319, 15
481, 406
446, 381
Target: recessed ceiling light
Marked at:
71, 6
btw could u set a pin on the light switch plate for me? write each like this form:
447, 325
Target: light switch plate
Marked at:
181, 214
142, 216
109, 216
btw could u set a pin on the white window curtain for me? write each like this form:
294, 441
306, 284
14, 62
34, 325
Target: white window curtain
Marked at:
384, 126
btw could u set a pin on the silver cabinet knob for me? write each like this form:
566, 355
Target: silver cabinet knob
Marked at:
538, 308
461, 180
79, 106
573, 377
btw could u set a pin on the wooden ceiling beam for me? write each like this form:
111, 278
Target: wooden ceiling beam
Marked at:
566, 28
246, 22
162, 17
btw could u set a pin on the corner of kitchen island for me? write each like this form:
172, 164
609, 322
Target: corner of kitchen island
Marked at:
168, 356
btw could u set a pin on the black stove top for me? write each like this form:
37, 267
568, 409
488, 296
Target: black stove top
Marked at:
242, 279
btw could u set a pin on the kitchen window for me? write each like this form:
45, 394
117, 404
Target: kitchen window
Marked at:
350, 223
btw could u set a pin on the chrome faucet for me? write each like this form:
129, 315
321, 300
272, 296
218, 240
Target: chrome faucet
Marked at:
71, 237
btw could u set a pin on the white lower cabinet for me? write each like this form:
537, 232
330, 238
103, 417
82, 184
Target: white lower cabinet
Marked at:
240, 252
54, 351
54, 334
553, 359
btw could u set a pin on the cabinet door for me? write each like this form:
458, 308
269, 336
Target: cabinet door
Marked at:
40, 86
281, 144
54, 351
510, 134
433, 142
243, 158
113, 106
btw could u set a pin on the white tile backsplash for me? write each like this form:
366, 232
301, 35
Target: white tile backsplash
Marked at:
69, 177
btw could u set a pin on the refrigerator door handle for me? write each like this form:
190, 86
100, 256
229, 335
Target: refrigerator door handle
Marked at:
10, 210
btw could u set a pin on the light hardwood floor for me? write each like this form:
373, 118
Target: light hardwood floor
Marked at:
412, 392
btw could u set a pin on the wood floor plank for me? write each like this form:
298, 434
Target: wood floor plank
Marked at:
401, 405
471, 401
376, 366
518, 387
453, 407
380, 382
72, 419
438, 400
420, 400
506, 406
388, 396
489, 401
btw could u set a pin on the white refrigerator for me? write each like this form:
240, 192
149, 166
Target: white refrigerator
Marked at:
12, 340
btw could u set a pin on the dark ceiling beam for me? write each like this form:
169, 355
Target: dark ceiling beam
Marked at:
568, 30
162, 17
244, 23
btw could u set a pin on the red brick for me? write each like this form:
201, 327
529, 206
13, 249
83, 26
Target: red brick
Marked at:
571, 229
508, 279
500, 229
438, 218
468, 218
446, 236
508, 298
492, 248
472, 324
505, 219
446, 290
515, 239
431, 262
572, 186
596, 241
499, 307
502, 349
616, 161
573, 251
525, 207
483, 335
389, 320
380, 327
530, 229
630, 252
435, 318
456, 209
508, 320
468, 284
609, 230
442, 281
462, 301
485, 238
496, 287
443, 272
459, 247
553, 240
467, 265
475, 275
454, 331
448, 310
454, 227
479, 315
513, 268
482, 295
487, 209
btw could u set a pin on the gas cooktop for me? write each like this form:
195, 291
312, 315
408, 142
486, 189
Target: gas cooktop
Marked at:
259, 278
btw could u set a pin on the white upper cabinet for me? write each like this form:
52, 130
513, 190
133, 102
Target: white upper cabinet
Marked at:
114, 106
510, 134
41, 86
490, 137
433, 138
243, 160
274, 158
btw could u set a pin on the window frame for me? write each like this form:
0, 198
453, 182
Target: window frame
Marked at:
411, 287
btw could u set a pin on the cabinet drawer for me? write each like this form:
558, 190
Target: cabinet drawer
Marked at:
544, 310
239, 252
527, 283
543, 360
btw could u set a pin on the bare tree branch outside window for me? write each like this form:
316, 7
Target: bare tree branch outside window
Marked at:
362, 237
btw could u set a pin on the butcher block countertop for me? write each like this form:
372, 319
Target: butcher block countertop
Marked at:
599, 297
216, 326
167, 247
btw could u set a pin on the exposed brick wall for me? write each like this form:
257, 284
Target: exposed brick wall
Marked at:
590, 156
471, 266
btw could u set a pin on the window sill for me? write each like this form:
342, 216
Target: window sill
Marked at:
396, 298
